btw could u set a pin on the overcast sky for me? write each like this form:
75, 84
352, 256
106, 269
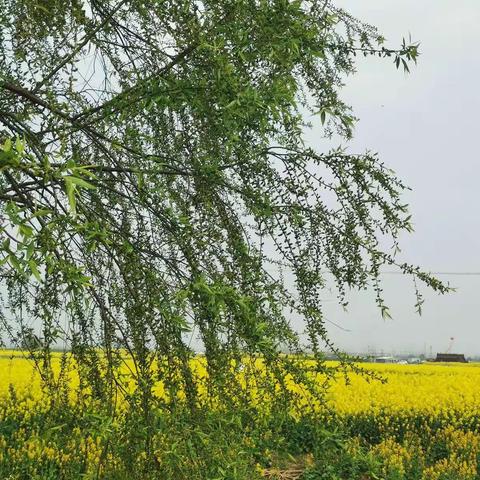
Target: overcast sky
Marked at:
426, 127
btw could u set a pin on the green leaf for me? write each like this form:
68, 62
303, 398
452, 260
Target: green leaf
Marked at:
79, 181
322, 116
70, 189
86, 170
25, 230
6, 245
19, 146
30, 249
385, 311
41, 212
34, 269
7, 146
15, 263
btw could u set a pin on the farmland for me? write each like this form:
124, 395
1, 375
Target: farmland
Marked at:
422, 423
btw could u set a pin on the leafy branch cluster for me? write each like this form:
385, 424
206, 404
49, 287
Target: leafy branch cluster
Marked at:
154, 181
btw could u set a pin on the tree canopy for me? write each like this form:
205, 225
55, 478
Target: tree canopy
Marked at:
156, 187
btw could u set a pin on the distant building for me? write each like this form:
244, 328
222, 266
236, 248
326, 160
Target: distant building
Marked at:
414, 360
385, 360
451, 357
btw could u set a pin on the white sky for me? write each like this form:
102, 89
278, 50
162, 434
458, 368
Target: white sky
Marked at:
425, 126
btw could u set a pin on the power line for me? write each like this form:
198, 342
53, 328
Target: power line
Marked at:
393, 272
399, 272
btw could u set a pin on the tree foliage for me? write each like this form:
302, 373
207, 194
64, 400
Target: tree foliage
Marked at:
156, 187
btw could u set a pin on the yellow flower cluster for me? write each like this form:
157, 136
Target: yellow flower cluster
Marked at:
449, 392
34, 451
437, 389
459, 456
396, 457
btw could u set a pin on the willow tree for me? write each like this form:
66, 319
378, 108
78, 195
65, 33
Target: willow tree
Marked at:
156, 188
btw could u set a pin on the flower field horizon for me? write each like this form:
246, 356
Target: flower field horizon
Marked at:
428, 387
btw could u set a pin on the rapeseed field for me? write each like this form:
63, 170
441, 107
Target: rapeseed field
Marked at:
422, 422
